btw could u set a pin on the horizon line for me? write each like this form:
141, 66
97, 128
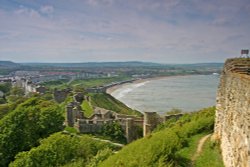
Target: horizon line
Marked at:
137, 61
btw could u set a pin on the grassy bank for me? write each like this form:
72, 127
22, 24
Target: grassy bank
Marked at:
87, 108
185, 155
108, 102
210, 155
160, 148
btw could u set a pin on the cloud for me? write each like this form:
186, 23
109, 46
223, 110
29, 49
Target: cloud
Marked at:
47, 9
100, 2
27, 12
105, 30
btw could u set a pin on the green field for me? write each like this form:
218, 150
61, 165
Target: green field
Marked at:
86, 83
81, 84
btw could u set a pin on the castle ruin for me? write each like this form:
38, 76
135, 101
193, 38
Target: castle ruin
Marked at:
130, 124
94, 124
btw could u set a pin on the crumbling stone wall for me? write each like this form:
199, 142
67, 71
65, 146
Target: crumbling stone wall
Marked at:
232, 124
61, 95
79, 97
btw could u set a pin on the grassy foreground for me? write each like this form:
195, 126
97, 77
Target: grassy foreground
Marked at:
173, 145
160, 148
60, 149
210, 156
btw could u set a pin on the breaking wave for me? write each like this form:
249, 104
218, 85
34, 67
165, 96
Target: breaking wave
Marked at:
128, 88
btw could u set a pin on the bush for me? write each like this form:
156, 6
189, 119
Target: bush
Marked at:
114, 131
101, 156
60, 149
5, 87
21, 129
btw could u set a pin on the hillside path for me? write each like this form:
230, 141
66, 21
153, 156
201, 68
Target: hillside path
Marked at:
95, 138
200, 145
108, 141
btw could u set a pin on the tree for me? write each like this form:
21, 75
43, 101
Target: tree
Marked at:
114, 131
21, 129
61, 149
5, 87
17, 91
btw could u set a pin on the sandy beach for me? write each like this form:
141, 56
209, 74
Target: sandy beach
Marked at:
161, 94
113, 88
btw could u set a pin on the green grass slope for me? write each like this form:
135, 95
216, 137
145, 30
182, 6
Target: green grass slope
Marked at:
210, 155
88, 109
185, 155
106, 101
160, 148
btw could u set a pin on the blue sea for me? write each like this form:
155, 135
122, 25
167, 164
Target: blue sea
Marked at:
188, 93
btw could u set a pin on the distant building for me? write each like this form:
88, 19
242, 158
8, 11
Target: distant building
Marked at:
28, 85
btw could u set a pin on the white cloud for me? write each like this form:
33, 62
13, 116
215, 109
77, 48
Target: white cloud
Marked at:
100, 2
122, 30
27, 12
47, 9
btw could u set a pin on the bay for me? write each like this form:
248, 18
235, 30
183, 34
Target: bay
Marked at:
188, 93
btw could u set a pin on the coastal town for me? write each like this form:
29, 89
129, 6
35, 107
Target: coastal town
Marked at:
33, 79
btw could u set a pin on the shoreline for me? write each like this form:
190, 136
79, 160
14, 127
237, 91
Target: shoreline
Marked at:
137, 81
114, 88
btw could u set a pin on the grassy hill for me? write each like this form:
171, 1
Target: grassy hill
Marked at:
106, 101
162, 148
8, 64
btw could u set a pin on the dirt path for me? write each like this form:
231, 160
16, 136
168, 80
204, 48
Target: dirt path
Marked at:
108, 141
95, 138
199, 148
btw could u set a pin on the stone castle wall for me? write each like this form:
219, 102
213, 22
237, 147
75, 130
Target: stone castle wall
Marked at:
232, 125
131, 124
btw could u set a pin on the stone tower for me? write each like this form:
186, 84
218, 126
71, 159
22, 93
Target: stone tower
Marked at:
150, 122
70, 115
129, 130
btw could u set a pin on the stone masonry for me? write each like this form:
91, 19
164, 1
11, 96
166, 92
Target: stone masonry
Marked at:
232, 124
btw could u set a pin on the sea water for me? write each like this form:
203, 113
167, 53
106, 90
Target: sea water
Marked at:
188, 93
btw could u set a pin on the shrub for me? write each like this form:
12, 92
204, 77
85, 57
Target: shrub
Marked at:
22, 128
60, 149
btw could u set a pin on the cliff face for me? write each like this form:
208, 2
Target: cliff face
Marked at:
232, 125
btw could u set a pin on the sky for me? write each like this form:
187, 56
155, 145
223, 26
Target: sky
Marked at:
163, 31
